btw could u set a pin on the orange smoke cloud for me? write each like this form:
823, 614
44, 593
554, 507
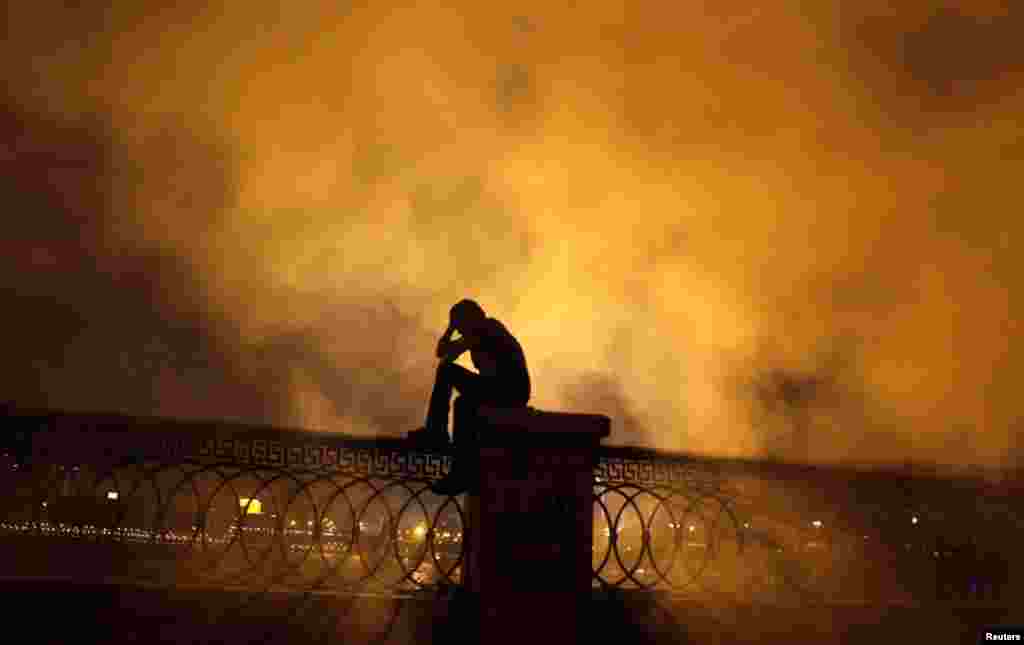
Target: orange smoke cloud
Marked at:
666, 204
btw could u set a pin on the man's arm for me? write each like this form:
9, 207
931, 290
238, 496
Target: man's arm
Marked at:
454, 348
444, 341
449, 350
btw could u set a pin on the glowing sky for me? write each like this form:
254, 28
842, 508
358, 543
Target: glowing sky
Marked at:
263, 211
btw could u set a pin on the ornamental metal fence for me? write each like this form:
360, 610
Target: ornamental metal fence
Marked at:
756, 531
170, 503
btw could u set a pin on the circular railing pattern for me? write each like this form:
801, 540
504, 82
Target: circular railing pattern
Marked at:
367, 522
662, 537
242, 525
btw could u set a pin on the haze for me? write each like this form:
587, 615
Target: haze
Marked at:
259, 212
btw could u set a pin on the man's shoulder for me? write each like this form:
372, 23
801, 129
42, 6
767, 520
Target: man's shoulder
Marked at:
495, 325
495, 329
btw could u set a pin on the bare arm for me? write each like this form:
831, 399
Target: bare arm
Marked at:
448, 350
445, 340
454, 349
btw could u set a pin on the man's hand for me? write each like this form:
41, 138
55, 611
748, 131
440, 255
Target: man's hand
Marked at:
453, 349
448, 350
444, 342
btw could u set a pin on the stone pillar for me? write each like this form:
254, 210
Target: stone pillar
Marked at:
530, 535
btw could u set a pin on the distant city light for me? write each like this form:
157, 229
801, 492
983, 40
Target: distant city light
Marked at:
692, 528
251, 506
913, 520
112, 494
420, 530
816, 524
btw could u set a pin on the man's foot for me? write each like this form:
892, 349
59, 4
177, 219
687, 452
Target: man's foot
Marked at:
429, 438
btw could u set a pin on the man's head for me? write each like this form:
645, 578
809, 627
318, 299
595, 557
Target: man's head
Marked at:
466, 316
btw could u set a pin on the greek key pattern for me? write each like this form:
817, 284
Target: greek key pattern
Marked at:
358, 459
350, 456
644, 471
357, 515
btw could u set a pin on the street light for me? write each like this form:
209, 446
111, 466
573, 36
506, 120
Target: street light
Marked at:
251, 507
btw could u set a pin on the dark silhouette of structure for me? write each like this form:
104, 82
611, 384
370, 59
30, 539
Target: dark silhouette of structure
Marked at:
555, 514
502, 381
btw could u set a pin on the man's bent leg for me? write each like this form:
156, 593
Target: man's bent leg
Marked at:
466, 433
437, 409
464, 471
485, 391
465, 430
449, 376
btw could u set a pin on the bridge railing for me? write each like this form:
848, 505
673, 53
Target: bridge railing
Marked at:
228, 505
243, 525
661, 522
758, 531
172, 503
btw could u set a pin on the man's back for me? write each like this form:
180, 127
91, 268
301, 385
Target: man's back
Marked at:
499, 355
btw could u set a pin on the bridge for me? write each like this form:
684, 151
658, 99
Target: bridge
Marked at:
301, 519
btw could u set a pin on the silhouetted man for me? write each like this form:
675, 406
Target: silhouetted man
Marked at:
502, 381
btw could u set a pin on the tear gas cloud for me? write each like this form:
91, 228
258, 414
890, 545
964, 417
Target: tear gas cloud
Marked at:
263, 212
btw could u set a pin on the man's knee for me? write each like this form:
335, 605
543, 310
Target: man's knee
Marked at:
455, 374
